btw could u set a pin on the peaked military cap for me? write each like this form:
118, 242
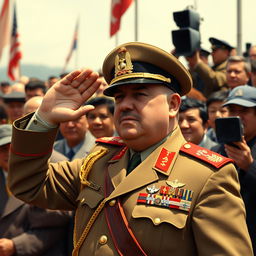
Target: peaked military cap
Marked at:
135, 63
14, 97
217, 43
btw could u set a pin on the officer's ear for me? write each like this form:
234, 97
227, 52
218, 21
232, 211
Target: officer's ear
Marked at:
174, 102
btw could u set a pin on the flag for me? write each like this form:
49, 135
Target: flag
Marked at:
15, 52
5, 25
118, 8
73, 45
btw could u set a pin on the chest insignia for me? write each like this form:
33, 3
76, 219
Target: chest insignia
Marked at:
171, 196
164, 160
164, 201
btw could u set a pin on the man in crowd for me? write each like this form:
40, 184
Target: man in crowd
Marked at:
25, 229
101, 118
151, 193
77, 140
252, 52
242, 102
5, 87
215, 110
253, 73
238, 71
14, 103
214, 78
35, 88
193, 122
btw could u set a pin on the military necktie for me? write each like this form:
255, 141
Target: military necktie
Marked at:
70, 154
134, 162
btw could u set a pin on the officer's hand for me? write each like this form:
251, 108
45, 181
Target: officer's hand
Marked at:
193, 60
7, 247
241, 155
64, 99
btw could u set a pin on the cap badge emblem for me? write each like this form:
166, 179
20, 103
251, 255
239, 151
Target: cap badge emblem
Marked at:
123, 63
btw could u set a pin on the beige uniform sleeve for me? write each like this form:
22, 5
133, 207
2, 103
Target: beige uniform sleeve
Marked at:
32, 179
213, 80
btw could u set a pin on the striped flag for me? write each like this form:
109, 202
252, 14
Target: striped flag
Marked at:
5, 25
15, 52
73, 45
118, 8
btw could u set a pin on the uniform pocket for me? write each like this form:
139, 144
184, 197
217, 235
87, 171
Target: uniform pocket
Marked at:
89, 197
158, 215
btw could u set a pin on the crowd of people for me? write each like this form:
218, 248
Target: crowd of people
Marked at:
123, 140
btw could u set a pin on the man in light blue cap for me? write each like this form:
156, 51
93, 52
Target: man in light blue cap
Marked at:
241, 102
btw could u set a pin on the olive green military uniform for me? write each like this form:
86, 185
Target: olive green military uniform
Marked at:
199, 229
214, 78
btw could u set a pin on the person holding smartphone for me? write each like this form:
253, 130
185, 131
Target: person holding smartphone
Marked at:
241, 102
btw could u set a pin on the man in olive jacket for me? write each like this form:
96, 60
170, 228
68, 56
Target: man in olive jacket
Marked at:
147, 192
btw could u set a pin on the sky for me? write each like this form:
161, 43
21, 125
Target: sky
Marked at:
46, 27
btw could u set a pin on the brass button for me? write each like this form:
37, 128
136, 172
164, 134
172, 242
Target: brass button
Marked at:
157, 221
82, 200
187, 146
103, 239
112, 202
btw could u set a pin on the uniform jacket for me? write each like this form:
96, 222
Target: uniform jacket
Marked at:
214, 225
87, 145
248, 189
213, 78
34, 231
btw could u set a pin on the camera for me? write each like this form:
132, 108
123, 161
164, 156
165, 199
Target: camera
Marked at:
229, 129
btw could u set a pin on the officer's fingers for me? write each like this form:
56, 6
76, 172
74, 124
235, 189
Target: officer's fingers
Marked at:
82, 111
82, 77
67, 80
91, 89
88, 82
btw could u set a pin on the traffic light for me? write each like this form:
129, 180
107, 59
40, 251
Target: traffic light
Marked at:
186, 39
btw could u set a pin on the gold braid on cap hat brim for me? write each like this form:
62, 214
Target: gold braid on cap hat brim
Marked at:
141, 75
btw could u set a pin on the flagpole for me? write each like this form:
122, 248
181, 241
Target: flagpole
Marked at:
136, 20
116, 39
239, 27
77, 44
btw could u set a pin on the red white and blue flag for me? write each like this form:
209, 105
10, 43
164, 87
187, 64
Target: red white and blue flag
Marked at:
73, 45
15, 52
118, 8
5, 25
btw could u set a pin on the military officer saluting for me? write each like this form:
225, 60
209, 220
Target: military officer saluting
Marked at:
147, 192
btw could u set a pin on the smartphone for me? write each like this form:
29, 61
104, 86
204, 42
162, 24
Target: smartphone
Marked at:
229, 129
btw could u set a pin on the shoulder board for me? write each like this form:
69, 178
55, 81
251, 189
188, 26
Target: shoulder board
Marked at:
111, 140
205, 155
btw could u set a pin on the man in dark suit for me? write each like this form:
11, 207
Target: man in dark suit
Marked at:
77, 140
24, 229
242, 102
